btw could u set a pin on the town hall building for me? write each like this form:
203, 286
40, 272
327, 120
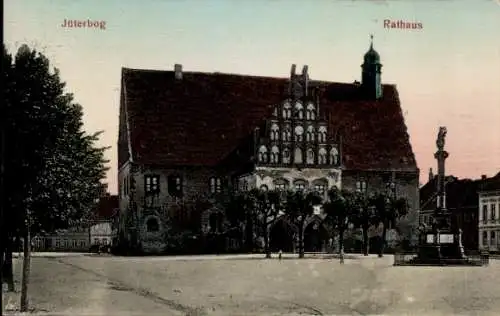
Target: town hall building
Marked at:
188, 139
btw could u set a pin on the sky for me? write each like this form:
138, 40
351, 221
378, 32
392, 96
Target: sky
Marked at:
447, 73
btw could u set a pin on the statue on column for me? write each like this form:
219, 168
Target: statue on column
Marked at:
441, 138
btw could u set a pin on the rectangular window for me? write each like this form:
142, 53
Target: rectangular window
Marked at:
151, 184
175, 186
493, 212
215, 185
493, 239
485, 213
361, 186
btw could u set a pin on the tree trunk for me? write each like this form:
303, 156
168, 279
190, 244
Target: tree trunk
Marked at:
249, 235
26, 268
301, 240
7, 266
383, 240
266, 242
341, 241
366, 241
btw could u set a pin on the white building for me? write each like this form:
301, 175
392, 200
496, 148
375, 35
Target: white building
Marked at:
101, 233
489, 214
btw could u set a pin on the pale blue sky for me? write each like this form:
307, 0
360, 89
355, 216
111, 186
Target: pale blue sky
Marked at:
448, 73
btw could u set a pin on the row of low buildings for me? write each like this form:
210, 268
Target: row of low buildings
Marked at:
475, 205
80, 239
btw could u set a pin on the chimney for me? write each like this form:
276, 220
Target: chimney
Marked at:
178, 71
305, 78
304, 70
292, 71
483, 177
431, 175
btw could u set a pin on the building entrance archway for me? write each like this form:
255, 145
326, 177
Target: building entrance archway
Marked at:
315, 237
281, 237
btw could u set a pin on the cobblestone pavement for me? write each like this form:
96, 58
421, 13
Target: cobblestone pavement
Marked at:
104, 285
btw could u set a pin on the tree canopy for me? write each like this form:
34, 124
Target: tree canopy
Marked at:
52, 166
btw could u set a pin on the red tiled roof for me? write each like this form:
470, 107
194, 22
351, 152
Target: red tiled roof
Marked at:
201, 118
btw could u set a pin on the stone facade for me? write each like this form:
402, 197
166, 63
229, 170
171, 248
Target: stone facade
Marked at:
489, 220
180, 195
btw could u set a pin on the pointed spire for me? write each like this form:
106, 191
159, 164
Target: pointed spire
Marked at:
371, 41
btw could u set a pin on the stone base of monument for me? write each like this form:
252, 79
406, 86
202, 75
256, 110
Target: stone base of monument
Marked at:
440, 248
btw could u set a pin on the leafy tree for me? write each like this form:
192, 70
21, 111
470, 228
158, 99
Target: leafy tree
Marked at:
241, 215
266, 206
53, 169
299, 206
363, 216
388, 209
339, 210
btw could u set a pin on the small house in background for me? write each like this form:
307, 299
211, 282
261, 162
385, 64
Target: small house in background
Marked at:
101, 229
489, 214
473, 204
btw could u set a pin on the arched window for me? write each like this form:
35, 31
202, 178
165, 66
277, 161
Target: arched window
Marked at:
320, 186
310, 114
322, 134
287, 135
286, 155
263, 154
299, 133
310, 133
275, 154
298, 155
300, 185
299, 108
280, 184
275, 132
322, 156
334, 156
152, 225
287, 110
310, 156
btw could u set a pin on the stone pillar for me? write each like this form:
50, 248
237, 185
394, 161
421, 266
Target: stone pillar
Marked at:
441, 156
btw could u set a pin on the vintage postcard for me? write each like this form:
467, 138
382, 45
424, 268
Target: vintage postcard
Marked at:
250, 157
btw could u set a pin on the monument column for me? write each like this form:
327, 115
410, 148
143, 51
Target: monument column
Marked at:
441, 156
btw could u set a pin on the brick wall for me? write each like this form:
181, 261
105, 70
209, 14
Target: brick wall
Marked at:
407, 186
193, 206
